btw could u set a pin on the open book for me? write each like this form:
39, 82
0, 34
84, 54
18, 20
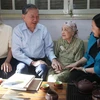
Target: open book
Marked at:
18, 81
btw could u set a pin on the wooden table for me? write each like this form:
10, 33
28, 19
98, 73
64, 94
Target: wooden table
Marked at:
7, 94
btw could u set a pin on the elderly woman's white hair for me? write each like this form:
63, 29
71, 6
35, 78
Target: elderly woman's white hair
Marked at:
73, 26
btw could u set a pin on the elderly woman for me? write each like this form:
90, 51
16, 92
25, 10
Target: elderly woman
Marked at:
91, 60
68, 49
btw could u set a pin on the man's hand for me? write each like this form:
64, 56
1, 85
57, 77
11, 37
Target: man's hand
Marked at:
6, 67
56, 65
37, 63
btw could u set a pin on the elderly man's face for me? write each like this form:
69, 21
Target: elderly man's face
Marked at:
67, 32
31, 18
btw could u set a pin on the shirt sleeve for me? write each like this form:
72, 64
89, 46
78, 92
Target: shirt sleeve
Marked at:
49, 46
17, 47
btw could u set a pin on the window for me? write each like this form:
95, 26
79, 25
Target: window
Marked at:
19, 4
86, 6
56, 4
53, 7
6, 4
94, 4
79, 4
41, 4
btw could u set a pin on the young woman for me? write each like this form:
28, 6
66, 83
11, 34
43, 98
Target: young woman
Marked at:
88, 67
68, 49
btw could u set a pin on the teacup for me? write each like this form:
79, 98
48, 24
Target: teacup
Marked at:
58, 84
45, 87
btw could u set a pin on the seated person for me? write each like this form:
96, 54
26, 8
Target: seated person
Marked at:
31, 42
68, 49
7, 63
88, 67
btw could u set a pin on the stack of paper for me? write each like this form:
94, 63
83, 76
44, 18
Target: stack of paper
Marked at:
18, 81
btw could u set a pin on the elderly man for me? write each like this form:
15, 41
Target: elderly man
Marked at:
31, 43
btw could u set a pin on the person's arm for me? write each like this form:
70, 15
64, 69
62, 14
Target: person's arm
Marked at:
85, 70
50, 51
17, 47
82, 61
9, 56
6, 66
89, 70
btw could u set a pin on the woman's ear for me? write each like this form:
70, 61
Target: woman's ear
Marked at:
73, 33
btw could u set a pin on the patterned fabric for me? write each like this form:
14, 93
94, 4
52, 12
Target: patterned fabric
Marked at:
72, 25
66, 54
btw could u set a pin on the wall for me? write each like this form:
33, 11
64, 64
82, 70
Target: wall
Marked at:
54, 27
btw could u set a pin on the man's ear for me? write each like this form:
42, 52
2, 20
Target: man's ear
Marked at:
23, 16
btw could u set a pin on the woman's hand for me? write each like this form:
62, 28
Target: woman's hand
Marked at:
77, 68
6, 67
71, 66
57, 71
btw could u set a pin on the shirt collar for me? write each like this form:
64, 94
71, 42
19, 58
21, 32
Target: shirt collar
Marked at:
25, 27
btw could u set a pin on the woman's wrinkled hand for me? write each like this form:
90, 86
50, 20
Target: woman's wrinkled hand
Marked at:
57, 71
71, 66
77, 68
